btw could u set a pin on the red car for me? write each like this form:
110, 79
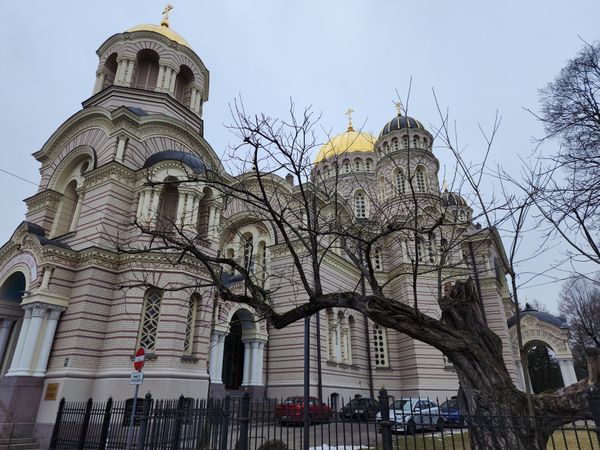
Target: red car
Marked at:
292, 410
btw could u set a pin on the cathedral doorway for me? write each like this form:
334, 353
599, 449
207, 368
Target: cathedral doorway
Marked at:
11, 294
233, 354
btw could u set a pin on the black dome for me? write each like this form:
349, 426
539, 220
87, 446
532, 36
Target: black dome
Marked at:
189, 159
541, 316
453, 199
401, 123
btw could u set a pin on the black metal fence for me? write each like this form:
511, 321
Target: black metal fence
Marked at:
246, 424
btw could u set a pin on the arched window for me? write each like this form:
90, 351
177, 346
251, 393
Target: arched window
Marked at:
262, 263
400, 181
350, 339
146, 70
360, 205
248, 252
346, 166
334, 336
426, 251
395, 144
358, 165
204, 212
405, 141
382, 188
386, 147
380, 345
190, 325
67, 216
183, 84
420, 179
149, 320
368, 164
327, 170
167, 208
377, 260
110, 70
416, 141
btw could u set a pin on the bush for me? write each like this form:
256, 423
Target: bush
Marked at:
275, 444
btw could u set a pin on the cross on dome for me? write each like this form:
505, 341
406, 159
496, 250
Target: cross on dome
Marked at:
349, 114
165, 20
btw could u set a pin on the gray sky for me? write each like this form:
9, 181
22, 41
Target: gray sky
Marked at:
332, 54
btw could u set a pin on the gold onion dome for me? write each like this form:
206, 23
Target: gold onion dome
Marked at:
348, 142
163, 28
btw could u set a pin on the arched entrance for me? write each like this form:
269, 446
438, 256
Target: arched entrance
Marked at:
233, 354
12, 291
544, 368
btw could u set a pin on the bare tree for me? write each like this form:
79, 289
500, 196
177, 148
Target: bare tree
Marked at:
567, 184
314, 223
580, 303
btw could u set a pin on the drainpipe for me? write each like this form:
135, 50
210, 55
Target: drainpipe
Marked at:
319, 375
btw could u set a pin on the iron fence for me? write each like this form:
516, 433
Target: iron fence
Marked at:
246, 424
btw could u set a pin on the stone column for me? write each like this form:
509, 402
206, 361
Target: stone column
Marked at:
38, 311
257, 363
100, 77
75, 219
567, 371
20, 342
247, 363
217, 346
521, 385
47, 341
5, 328
121, 143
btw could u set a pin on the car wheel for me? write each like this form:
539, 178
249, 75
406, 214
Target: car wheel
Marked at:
411, 427
440, 424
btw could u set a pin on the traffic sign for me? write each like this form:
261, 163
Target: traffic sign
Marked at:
139, 358
136, 378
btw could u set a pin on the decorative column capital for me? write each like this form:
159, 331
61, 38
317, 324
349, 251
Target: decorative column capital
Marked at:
54, 312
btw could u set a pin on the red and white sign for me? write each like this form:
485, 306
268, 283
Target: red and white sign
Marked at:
139, 359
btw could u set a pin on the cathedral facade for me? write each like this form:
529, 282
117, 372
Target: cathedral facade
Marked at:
74, 308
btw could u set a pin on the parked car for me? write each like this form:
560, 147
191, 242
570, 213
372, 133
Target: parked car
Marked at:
291, 410
451, 413
412, 414
360, 409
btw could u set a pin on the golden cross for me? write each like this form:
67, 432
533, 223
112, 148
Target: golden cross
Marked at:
349, 114
445, 185
398, 107
165, 20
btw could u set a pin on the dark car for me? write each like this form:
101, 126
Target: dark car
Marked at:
360, 409
291, 410
450, 411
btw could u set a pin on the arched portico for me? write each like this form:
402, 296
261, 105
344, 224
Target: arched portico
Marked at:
237, 352
541, 328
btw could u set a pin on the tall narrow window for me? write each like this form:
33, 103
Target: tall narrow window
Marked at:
400, 178
380, 346
183, 84
357, 165
146, 70
231, 255
420, 179
167, 209
346, 166
382, 188
395, 144
368, 165
66, 219
360, 205
334, 337
416, 141
262, 263
405, 141
377, 260
248, 253
188, 344
430, 249
150, 318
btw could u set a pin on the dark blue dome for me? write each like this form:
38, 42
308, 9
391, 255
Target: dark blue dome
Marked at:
189, 159
453, 199
401, 123
559, 322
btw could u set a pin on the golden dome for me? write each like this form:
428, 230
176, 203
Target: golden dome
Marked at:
161, 29
348, 142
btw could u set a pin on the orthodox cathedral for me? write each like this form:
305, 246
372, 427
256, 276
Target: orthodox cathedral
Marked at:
68, 329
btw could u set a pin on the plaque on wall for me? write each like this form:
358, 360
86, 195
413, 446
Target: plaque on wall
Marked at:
51, 391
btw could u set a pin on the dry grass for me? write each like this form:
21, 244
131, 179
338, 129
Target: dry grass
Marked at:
561, 440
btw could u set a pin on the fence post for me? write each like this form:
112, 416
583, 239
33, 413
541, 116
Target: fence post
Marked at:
56, 429
105, 424
244, 421
141, 437
594, 402
178, 420
225, 424
386, 432
86, 424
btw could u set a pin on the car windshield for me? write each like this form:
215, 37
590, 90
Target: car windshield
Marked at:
452, 403
292, 400
402, 405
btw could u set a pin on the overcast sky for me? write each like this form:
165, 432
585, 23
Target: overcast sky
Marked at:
479, 57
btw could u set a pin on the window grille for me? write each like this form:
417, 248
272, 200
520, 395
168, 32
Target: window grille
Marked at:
189, 327
150, 318
381, 346
377, 260
360, 205
400, 181
420, 179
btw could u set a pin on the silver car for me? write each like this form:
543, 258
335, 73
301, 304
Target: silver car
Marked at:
412, 414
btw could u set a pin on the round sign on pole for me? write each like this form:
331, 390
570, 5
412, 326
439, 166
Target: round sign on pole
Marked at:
139, 358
